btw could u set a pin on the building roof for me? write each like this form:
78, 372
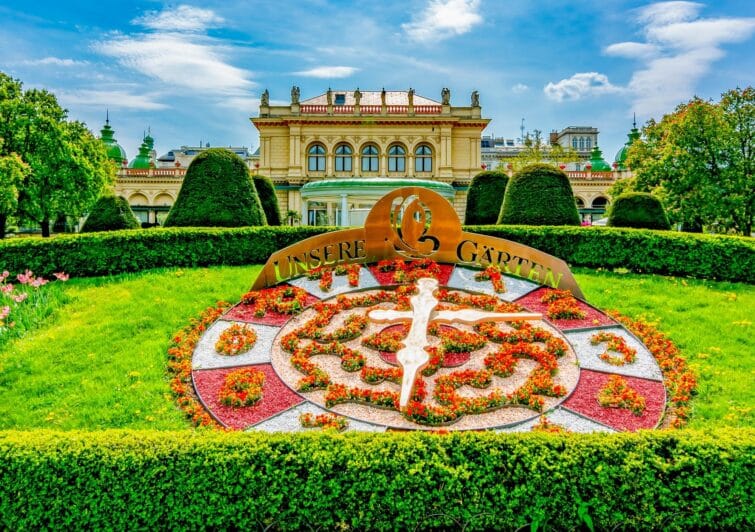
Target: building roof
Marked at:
115, 151
371, 98
597, 162
372, 184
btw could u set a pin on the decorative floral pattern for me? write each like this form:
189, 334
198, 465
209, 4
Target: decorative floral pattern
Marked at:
281, 299
616, 344
618, 394
242, 388
494, 274
235, 340
325, 274
324, 421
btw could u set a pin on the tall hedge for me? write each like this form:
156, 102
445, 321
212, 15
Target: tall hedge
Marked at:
268, 198
638, 209
485, 197
539, 194
125, 480
110, 213
216, 192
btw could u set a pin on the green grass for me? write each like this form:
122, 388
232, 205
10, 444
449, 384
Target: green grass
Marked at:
99, 360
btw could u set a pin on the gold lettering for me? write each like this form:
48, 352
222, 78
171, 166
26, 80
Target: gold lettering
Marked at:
550, 280
461, 249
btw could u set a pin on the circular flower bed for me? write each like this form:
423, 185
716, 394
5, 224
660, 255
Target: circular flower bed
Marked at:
235, 340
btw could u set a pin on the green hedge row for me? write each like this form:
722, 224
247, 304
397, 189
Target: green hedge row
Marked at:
188, 480
664, 252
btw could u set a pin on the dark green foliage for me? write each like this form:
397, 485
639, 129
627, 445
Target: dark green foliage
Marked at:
266, 192
187, 480
721, 257
539, 194
110, 213
216, 192
638, 209
485, 197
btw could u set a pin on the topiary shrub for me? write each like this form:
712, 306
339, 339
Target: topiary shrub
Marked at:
266, 192
641, 210
539, 194
485, 197
110, 213
216, 191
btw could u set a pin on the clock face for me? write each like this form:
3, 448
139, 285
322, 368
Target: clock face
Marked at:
434, 347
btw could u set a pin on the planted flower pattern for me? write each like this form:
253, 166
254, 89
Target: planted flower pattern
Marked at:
235, 340
617, 344
617, 394
242, 388
324, 421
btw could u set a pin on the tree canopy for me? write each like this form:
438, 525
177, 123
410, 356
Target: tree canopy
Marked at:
536, 151
699, 160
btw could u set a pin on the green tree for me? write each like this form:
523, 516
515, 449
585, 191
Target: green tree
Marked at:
638, 209
266, 192
110, 213
485, 197
539, 194
536, 151
13, 170
11, 104
699, 161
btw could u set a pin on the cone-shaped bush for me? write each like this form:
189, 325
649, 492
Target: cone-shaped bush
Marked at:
217, 191
539, 194
638, 209
110, 213
485, 197
266, 192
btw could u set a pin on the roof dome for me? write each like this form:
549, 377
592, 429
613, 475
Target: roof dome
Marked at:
597, 162
115, 151
621, 155
141, 161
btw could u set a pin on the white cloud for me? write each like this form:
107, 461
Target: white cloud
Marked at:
442, 19
519, 88
579, 86
55, 61
183, 18
328, 72
115, 99
663, 13
632, 50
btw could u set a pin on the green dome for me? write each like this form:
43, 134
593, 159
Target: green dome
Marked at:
149, 141
115, 151
597, 162
621, 155
141, 161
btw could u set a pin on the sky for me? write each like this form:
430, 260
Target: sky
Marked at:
194, 71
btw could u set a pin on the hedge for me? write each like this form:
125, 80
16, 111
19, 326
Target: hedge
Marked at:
110, 213
671, 253
194, 480
485, 197
268, 199
539, 194
638, 209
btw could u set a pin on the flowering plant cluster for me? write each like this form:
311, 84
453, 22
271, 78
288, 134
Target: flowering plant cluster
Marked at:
242, 387
616, 344
11, 296
280, 299
325, 274
617, 394
495, 275
562, 305
483, 302
554, 295
314, 329
404, 272
323, 421
679, 380
340, 393
543, 425
373, 375
179, 365
235, 340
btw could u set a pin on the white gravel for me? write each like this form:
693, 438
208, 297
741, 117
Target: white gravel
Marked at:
340, 284
206, 357
463, 279
644, 365
288, 421
564, 417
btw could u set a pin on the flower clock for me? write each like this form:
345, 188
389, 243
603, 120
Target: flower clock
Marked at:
417, 345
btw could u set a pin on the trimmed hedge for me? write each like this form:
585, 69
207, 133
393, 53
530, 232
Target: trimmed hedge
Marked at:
216, 192
638, 209
110, 213
539, 194
189, 480
682, 254
485, 197
268, 199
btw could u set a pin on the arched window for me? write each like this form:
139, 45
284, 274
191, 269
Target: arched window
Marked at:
423, 159
581, 143
343, 158
396, 159
599, 203
588, 143
370, 158
574, 143
316, 158
580, 202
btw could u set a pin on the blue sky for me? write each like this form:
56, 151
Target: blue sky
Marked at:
194, 71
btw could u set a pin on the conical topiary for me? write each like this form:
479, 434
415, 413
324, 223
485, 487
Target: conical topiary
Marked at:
539, 194
266, 192
485, 197
110, 213
638, 209
217, 191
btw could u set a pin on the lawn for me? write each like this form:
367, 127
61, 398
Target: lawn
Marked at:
98, 360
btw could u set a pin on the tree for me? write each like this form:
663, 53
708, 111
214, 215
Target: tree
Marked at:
216, 191
485, 197
539, 194
699, 161
266, 191
637, 209
13, 170
536, 151
110, 213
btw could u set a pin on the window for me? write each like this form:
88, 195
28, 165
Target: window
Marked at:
423, 160
581, 143
599, 203
574, 143
369, 159
316, 158
343, 158
588, 143
396, 159
340, 99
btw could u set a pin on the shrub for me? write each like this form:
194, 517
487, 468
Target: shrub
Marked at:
539, 194
110, 213
189, 480
266, 192
638, 209
216, 191
485, 197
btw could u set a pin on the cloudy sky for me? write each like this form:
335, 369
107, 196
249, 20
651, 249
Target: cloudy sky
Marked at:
194, 71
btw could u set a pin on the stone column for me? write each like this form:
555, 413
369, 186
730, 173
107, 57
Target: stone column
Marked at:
344, 211
304, 213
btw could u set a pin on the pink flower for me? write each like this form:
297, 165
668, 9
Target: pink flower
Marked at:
6, 288
20, 297
4, 275
25, 277
4, 312
39, 281
60, 276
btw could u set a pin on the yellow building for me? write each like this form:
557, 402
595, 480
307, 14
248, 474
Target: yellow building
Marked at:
332, 156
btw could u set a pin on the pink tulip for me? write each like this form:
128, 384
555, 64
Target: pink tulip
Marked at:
60, 276
20, 297
4, 312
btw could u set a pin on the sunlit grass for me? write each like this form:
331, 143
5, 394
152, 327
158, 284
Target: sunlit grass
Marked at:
99, 359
